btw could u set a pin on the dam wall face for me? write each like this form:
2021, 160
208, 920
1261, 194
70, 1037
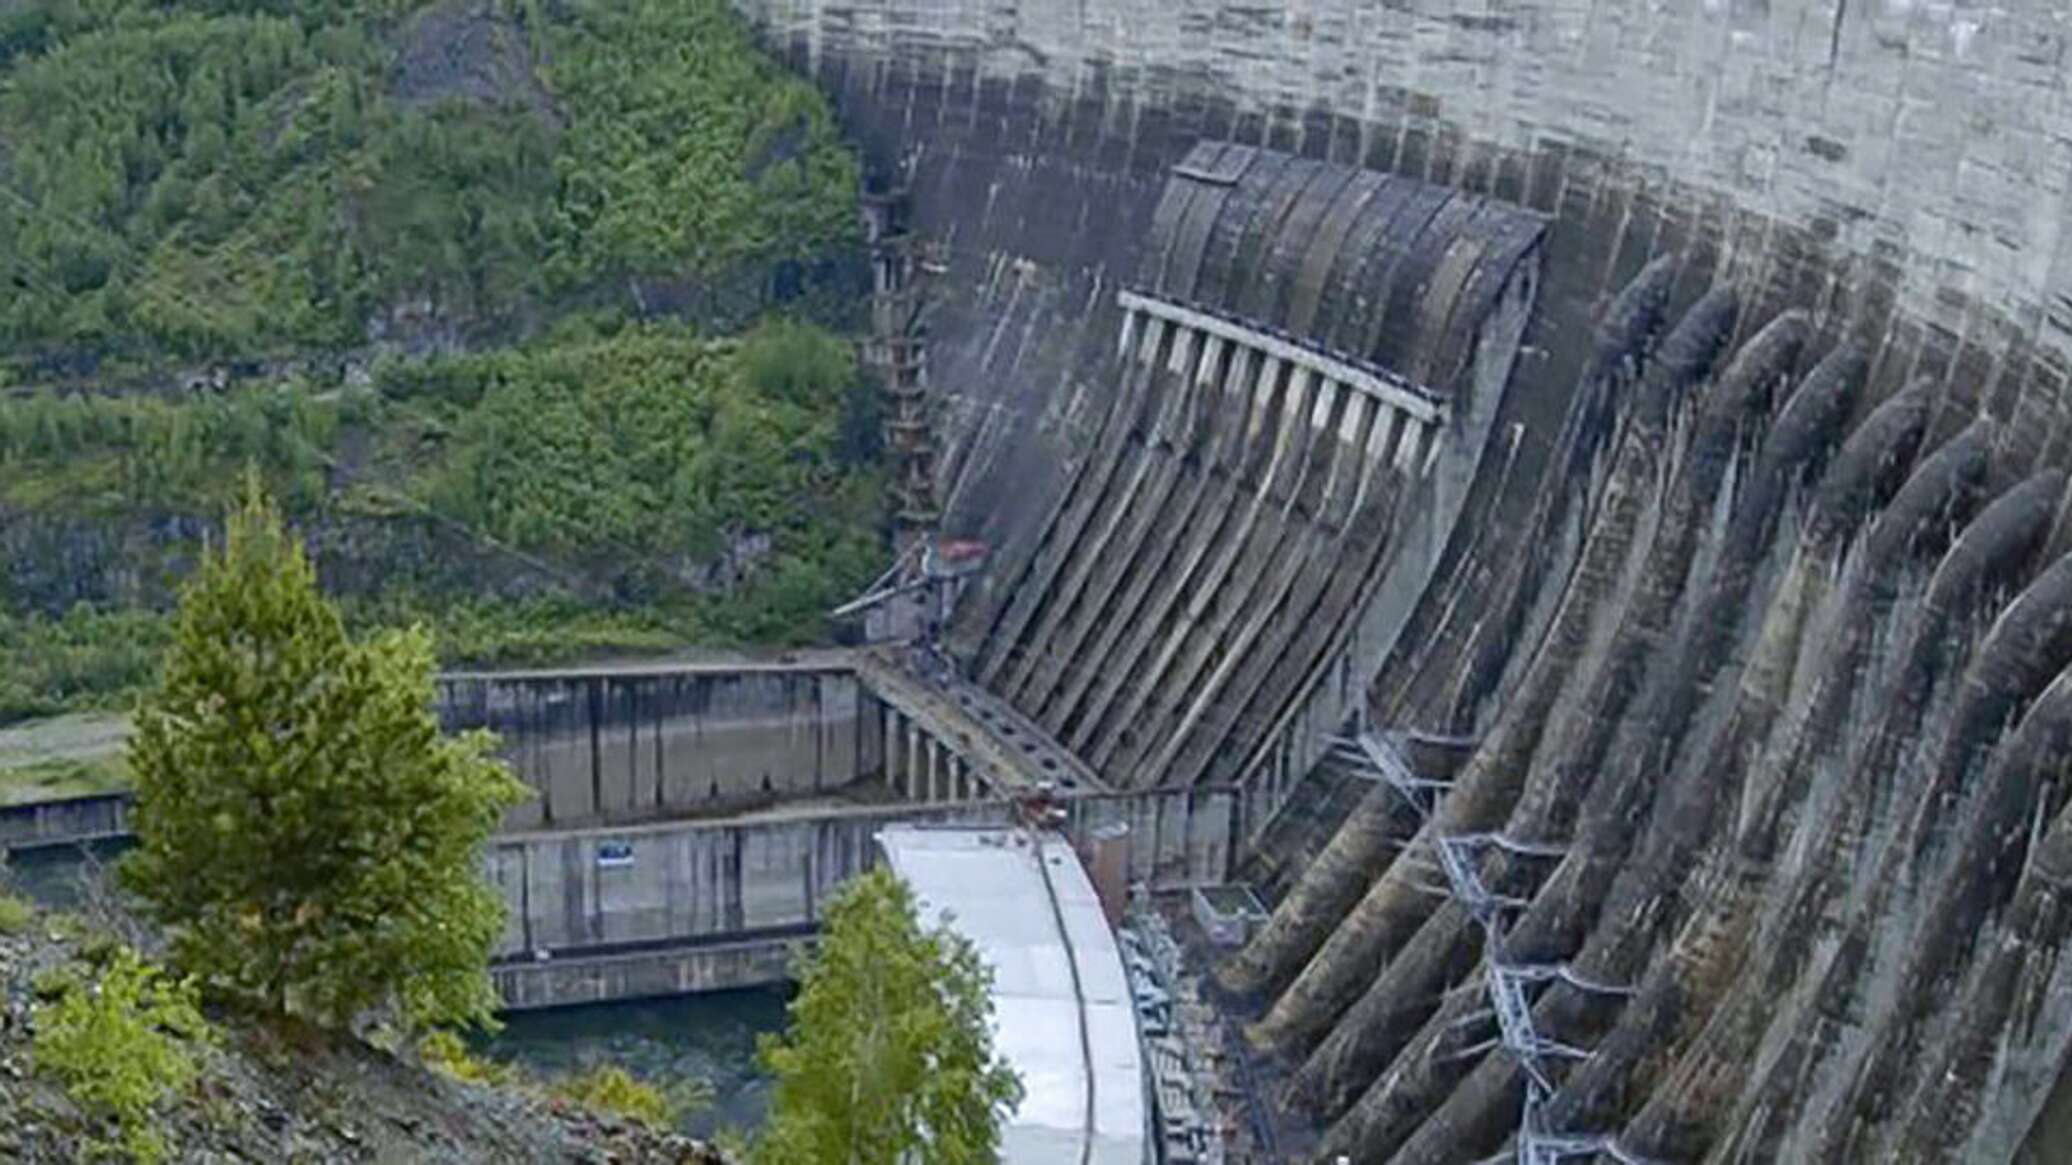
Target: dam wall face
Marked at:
1899, 166
627, 745
1748, 626
1311, 362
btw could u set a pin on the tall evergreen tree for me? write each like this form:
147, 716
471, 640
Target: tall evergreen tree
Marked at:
889, 1057
305, 831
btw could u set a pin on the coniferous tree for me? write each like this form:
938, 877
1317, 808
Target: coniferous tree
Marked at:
889, 1057
305, 831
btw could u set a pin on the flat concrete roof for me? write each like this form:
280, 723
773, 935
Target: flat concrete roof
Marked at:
1062, 1010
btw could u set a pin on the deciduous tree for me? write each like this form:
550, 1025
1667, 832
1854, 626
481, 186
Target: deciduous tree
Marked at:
305, 831
889, 1057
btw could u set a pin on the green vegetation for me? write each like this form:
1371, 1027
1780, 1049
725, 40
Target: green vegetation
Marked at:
311, 195
618, 466
608, 1088
52, 780
121, 1039
201, 180
15, 914
112, 455
889, 1056
87, 659
645, 447
444, 1051
305, 832
62, 756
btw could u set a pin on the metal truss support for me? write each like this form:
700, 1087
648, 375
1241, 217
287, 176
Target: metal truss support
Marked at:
1538, 1145
1379, 756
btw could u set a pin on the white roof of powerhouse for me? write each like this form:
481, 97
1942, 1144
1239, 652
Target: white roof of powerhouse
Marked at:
989, 885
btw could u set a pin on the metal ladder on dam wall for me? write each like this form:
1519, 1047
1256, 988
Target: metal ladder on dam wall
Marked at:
897, 350
916, 595
1456, 857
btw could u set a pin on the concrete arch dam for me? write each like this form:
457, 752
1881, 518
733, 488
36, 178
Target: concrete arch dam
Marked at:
1592, 475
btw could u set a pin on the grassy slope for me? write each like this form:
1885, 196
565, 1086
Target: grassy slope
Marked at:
63, 756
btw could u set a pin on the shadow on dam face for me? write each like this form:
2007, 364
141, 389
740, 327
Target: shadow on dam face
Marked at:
1743, 601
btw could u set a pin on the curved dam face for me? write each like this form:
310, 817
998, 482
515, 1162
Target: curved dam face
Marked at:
1601, 468
1311, 359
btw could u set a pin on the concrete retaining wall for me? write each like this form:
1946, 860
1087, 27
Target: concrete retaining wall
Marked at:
639, 744
699, 906
66, 822
626, 745
569, 890
632, 745
716, 966
1177, 837
677, 882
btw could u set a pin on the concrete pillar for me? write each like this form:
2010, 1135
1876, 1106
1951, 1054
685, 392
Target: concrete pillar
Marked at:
1321, 404
909, 771
962, 777
917, 771
938, 771
1409, 458
1211, 361
1153, 339
894, 779
1348, 463
1108, 864
1180, 359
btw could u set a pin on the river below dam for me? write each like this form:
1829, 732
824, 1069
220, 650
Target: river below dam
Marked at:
663, 1041
707, 1037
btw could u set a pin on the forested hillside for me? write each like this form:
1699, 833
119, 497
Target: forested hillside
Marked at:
475, 285
206, 179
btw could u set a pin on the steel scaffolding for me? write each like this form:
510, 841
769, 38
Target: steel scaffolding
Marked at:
898, 351
1380, 756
